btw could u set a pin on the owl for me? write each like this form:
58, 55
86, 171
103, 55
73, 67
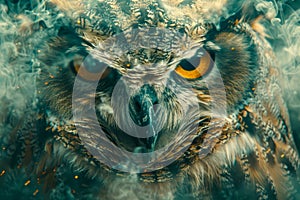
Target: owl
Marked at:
127, 99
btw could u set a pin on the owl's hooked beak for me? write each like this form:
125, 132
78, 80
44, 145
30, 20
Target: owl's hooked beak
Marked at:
142, 112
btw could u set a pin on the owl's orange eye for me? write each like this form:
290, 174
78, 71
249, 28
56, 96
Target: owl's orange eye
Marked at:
196, 66
90, 69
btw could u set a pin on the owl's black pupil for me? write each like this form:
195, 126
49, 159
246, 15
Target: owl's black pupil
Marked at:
93, 65
190, 64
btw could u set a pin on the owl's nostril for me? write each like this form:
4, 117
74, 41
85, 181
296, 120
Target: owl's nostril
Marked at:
141, 104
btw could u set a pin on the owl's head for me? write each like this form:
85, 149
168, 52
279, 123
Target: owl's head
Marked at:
139, 78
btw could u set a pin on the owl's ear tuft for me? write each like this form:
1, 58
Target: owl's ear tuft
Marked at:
253, 10
256, 12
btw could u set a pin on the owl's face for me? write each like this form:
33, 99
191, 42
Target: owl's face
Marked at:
147, 89
156, 81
